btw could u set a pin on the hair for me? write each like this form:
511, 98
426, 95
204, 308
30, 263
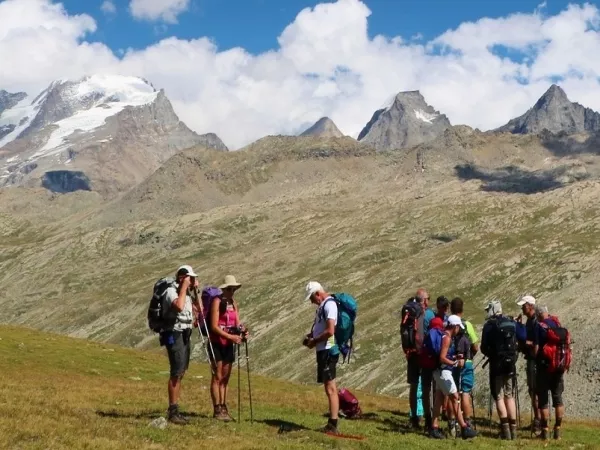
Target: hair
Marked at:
540, 309
456, 305
442, 302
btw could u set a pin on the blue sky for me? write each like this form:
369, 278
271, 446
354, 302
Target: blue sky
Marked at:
255, 24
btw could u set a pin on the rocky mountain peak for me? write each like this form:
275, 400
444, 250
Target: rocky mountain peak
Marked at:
324, 127
554, 112
8, 100
407, 122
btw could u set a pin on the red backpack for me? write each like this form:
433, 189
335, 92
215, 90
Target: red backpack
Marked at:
349, 404
557, 349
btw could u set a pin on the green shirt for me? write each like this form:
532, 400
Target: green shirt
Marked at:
470, 332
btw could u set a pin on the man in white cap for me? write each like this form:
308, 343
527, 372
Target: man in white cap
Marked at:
322, 339
499, 344
527, 304
176, 336
444, 378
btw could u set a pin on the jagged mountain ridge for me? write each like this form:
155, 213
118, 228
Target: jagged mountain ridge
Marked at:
114, 129
325, 128
556, 113
407, 122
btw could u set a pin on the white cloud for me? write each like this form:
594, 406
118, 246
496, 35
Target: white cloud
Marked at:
326, 64
155, 10
108, 7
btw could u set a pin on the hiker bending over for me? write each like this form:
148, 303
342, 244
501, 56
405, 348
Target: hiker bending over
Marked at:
442, 342
553, 358
225, 331
322, 339
176, 336
499, 344
527, 304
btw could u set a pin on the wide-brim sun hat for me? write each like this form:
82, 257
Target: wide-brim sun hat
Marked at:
230, 282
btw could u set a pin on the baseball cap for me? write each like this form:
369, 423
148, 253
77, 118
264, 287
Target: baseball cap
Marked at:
455, 320
493, 308
526, 299
312, 287
187, 269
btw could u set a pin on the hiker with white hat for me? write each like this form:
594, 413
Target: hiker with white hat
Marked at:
225, 331
527, 304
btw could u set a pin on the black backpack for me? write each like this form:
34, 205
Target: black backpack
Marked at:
504, 346
157, 321
411, 323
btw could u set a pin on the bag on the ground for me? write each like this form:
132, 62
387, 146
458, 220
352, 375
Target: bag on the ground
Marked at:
157, 321
208, 295
557, 349
349, 404
344, 329
411, 334
429, 356
505, 346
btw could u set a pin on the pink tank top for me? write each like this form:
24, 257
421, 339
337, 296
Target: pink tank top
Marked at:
226, 320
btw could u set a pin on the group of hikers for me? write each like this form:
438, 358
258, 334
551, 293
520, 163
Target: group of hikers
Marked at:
439, 346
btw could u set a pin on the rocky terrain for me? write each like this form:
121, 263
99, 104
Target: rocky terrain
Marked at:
324, 127
407, 122
469, 213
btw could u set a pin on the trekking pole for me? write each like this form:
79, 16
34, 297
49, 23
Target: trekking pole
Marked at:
239, 383
518, 401
473, 406
210, 353
490, 412
249, 388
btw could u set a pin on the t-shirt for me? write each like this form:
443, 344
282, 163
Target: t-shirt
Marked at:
465, 340
183, 319
428, 316
326, 310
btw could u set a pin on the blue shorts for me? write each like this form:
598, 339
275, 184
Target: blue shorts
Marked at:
465, 378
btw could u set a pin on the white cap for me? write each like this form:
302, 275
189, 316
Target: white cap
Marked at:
526, 299
188, 269
311, 288
454, 320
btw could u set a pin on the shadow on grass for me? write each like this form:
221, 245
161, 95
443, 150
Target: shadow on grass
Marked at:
114, 414
283, 426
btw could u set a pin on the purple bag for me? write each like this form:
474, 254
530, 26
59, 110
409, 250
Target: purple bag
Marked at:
208, 295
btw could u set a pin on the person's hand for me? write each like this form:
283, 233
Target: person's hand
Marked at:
461, 363
194, 282
519, 318
311, 343
186, 283
235, 339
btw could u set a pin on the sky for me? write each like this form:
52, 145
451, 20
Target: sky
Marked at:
249, 68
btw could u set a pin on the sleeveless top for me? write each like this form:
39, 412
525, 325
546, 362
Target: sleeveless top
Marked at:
227, 319
450, 355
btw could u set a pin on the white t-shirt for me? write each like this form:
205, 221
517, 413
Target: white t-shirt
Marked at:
185, 318
326, 310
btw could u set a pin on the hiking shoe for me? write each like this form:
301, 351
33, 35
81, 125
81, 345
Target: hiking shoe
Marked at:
436, 433
556, 434
544, 434
176, 418
468, 433
513, 432
536, 427
505, 432
225, 411
330, 429
217, 411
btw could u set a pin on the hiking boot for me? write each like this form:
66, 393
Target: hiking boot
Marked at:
330, 429
536, 427
513, 432
220, 413
436, 433
468, 433
452, 428
217, 411
505, 432
176, 417
544, 434
227, 417
414, 423
556, 434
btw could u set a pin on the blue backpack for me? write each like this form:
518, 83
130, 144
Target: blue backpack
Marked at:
429, 358
344, 330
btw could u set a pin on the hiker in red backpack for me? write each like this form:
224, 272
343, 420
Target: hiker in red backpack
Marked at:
553, 357
225, 331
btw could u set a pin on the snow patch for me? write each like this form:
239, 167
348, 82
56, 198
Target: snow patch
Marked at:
425, 116
22, 113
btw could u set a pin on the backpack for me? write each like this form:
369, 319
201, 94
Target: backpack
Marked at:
157, 321
557, 349
429, 356
349, 404
344, 329
504, 346
208, 295
410, 327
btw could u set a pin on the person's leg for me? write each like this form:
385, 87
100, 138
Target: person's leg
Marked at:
426, 387
412, 378
438, 400
176, 353
326, 374
557, 389
467, 381
510, 404
543, 399
226, 372
531, 379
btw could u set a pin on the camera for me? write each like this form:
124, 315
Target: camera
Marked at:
305, 341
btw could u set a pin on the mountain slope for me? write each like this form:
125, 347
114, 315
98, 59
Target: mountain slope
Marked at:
325, 128
115, 130
555, 113
407, 122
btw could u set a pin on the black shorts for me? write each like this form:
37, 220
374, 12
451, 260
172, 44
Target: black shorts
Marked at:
553, 382
326, 366
413, 370
223, 353
531, 376
178, 345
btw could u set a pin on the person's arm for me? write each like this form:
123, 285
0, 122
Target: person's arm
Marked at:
537, 338
472, 335
179, 303
330, 311
214, 323
444, 351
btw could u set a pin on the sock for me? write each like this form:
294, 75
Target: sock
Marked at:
333, 422
174, 407
513, 422
558, 423
504, 421
544, 423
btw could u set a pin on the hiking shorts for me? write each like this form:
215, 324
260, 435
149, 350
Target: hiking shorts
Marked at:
553, 382
178, 344
531, 376
223, 353
444, 381
465, 378
326, 366
501, 386
413, 370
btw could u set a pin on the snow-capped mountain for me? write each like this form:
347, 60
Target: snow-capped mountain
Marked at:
115, 129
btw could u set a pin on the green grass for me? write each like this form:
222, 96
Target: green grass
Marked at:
64, 393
